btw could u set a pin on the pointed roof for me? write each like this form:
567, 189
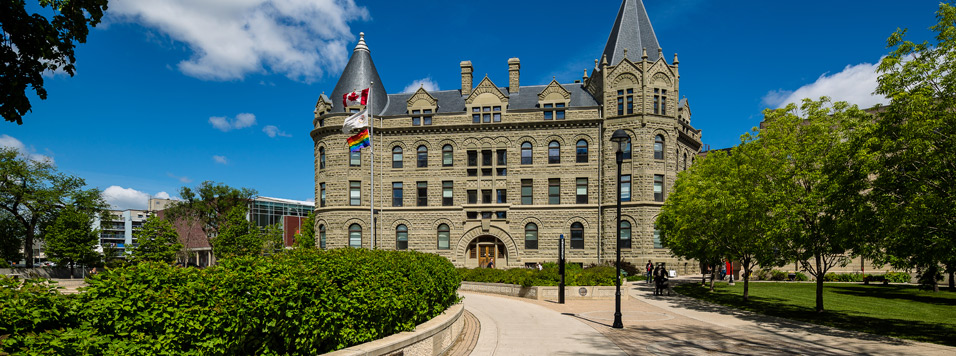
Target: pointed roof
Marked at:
632, 31
358, 73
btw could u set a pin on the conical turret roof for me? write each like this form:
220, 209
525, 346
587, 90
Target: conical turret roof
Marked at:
632, 31
358, 73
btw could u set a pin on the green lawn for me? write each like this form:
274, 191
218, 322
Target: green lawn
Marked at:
895, 310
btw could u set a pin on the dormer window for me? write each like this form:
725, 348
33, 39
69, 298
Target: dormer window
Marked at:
485, 114
421, 117
553, 111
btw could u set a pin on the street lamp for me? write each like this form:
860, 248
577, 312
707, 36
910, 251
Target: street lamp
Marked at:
619, 137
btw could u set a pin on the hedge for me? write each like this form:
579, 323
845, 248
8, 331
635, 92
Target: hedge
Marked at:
575, 275
301, 302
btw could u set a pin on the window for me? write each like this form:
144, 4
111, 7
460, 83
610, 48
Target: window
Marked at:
355, 158
554, 191
444, 236
657, 238
401, 237
625, 234
422, 193
554, 111
321, 157
685, 161
422, 156
322, 236
658, 187
581, 191
486, 196
658, 147
531, 236
420, 117
627, 147
554, 152
526, 153
502, 162
355, 236
447, 156
625, 101
486, 158
526, 190
321, 194
485, 114
577, 236
626, 187
581, 151
472, 158
472, 196
355, 192
398, 194
446, 193
501, 196
660, 101
397, 157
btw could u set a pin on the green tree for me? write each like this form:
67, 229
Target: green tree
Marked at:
11, 237
237, 237
271, 237
158, 241
31, 44
209, 204
111, 256
305, 238
32, 193
817, 175
914, 148
71, 239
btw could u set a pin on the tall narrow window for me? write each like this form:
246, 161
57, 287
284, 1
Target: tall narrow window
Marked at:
401, 237
581, 151
630, 101
321, 194
554, 191
502, 162
685, 161
472, 196
622, 97
554, 152
422, 193
657, 238
663, 101
658, 147
526, 153
548, 111
657, 101
531, 236
577, 236
486, 196
501, 196
625, 234
322, 236
472, 158
446, 193
526, 191
559, 111
355, 236
658, 187
444, 237
422, 156
355, 158
398, 194
321, 157
355, 192
416, 117
627, 147
397, 157
581, 191
626, 187
447, 156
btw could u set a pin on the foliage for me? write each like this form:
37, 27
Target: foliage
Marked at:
237, 237
32, 192
801, 277
305, 238
548, 276
110, 256
303, 302
34, 306
71, 239
897, 277
11, 237
209, 204
271, 237
158, 241
31, 44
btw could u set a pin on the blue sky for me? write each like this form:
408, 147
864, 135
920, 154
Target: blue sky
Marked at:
174, 92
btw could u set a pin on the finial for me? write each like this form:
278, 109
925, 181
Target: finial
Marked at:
595, 63
604, 60
675, 59
553, 78
625, 52
585, 73
644, 53
660, 52
361, 43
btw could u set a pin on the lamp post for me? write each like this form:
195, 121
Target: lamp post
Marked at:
618, 137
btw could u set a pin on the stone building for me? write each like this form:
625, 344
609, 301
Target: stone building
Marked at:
497, 173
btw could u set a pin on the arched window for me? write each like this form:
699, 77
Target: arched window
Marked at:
531, 236
422, 156
554, 152
577, 236
625, 234
396, 157
444, 236
447, 156
581, 151
322, 236
685, 161
627, 147
658, 147
321, 157
355, 236
526, 153
401, 237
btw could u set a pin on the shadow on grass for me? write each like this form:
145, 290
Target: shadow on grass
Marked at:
893, 292
907, 329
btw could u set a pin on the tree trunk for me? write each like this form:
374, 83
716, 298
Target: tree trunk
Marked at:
28, 247
819, 276
952, 285
746, 281
713, 275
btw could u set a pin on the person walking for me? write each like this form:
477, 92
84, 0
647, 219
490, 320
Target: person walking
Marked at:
650, 269
658, 276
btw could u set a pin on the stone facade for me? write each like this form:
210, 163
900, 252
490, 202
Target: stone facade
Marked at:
636, 95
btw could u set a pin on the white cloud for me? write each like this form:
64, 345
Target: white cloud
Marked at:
29, 152
273, 131
220, 159
182, 179
301, 39
128, 198
426, 83
855, 85
242, 120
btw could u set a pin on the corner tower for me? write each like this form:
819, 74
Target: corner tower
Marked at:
358, 73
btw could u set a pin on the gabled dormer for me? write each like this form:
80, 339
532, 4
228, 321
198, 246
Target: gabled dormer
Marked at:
322, 107
554, 100
486, 103
421, 106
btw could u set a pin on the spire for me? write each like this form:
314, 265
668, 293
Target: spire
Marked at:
358, 73
632, 29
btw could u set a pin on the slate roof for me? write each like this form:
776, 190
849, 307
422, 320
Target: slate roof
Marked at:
527, 98
632, 30
358, 73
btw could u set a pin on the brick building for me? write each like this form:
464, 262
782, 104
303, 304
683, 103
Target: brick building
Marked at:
497, 172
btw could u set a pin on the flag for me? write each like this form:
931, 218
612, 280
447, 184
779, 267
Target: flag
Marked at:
355, 98
359, 119
358, 141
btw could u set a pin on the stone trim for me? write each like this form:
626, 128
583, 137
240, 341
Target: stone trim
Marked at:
543, 292
432, 337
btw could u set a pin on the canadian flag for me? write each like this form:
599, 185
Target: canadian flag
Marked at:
355, 98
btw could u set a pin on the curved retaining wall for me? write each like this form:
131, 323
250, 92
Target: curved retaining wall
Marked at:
432, 337
543, 292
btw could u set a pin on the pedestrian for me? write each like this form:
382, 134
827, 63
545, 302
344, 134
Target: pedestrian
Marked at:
658, 277
723, 271
491, 264
539, 266
650, 269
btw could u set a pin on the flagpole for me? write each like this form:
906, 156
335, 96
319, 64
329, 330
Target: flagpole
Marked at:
371, 164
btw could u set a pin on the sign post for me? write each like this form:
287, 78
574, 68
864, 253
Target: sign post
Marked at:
561, 268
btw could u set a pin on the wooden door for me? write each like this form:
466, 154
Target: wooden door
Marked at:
486, 253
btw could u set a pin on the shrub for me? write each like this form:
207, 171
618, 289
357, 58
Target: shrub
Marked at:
776, 275
801, 277
762, 275
897, 277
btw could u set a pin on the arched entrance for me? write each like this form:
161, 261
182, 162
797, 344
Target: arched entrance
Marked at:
486, 250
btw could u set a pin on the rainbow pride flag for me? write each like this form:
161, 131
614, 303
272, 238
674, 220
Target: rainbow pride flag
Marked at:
358, 141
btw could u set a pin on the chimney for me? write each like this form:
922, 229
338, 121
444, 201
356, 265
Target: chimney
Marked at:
466, 70
514, 66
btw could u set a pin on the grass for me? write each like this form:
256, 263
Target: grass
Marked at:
894, 310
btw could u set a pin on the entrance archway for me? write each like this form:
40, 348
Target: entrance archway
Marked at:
484, 251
